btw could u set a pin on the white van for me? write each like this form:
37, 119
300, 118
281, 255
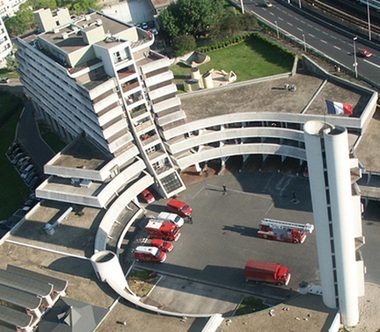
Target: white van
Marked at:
172, 218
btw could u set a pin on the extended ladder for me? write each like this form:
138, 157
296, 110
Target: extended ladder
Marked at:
287, 224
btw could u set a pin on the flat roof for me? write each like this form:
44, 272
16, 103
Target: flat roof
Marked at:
75, 41
270, 96
82, 154
368, 151
64, 185
76, 233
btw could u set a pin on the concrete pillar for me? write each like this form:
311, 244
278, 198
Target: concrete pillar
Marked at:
337, 218
197, 167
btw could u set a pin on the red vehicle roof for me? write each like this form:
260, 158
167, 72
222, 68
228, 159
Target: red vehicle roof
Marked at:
262, 266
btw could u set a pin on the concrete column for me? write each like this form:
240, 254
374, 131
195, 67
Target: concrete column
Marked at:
197, 167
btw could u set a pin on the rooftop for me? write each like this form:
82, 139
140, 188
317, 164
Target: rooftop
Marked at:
74, 40
368, 151
82, 154
271, 96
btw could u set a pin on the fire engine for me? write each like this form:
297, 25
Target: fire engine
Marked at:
284, 230
163, 230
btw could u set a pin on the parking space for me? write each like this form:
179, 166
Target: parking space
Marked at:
223, 234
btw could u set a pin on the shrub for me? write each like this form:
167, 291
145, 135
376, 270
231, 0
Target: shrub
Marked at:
183, 44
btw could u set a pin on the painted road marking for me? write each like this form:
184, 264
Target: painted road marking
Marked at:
323, 41
311, 35
371, 63
290, 24
338, 48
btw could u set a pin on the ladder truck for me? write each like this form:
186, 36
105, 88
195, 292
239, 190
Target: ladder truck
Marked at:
284, 230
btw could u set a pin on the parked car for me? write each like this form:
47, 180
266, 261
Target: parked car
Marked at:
170, 217
34, 182
4, 80
163, 245
17, 157
147, 196
25, 166
179, 207
149, 254
365, 53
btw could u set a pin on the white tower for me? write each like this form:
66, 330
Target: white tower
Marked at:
337, 216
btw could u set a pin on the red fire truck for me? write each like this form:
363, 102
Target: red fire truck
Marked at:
163, 230
268, 272
284, 230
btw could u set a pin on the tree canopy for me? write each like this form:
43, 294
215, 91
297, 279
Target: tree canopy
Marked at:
193, 17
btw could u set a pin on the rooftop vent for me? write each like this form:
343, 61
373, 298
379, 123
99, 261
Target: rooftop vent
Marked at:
56, 30
65, 35
87, 17
99, 22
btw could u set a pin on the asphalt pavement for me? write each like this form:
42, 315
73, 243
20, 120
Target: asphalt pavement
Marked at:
334, 41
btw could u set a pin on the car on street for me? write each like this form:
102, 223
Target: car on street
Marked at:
161, 244
147, 196
365, 53
4, 80
149, 254
268, 4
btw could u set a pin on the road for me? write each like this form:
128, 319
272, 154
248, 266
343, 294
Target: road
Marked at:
319, 35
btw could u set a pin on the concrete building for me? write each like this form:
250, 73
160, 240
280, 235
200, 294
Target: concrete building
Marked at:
95, 81
8, 8
5, 44
337, 215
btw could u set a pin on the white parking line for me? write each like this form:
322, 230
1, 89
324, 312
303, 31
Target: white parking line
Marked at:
289, 23
371, 63
271, 13
338, 48
311, 35
302, 21
317, 29
325, 33
299, 29
323, 41
280, 18
333, 37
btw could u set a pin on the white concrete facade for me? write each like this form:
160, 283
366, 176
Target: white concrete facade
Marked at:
82, 76
5, 44
9, 8
337, 215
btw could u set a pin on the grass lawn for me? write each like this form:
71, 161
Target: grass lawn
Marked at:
51, 138
13, 189
141, 282
250, 304
251, 59
10, 74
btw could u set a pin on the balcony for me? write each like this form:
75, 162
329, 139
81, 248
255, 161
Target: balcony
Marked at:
148, 139
130, 86
123, 73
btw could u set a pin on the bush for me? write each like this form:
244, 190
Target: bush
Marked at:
183, 44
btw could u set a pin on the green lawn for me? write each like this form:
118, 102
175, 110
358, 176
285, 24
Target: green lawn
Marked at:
51, 138
250, 304
13, 189
10, 74
251, 59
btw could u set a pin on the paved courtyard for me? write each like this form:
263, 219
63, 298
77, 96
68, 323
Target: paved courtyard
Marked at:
222, 238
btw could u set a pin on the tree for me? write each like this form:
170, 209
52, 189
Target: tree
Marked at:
78, 6
183, 44
195, 17
21, 22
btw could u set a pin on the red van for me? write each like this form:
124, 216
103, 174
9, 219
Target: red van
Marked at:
149, 254
179, 207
